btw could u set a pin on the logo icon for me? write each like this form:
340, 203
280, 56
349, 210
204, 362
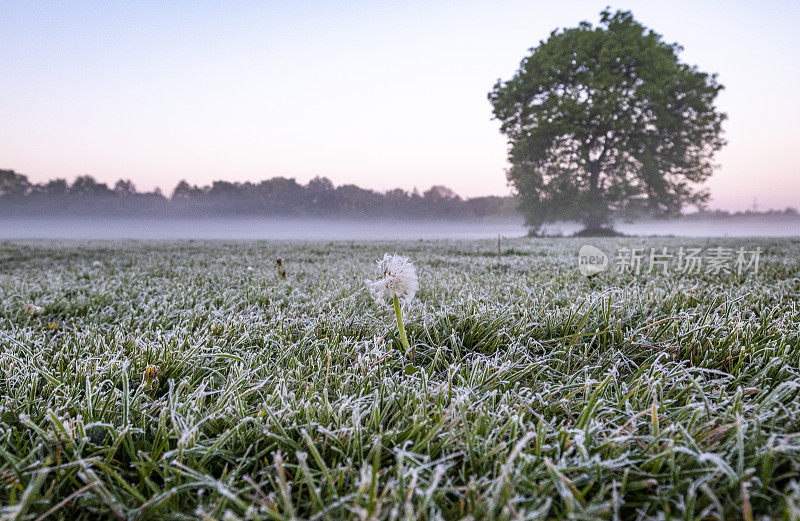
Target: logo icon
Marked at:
591, 260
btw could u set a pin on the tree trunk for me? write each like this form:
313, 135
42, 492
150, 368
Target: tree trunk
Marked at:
597, 211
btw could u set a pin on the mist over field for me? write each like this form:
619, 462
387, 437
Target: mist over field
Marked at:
249, 228
260, 228
736, 226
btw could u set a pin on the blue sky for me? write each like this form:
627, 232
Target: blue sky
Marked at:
381, 94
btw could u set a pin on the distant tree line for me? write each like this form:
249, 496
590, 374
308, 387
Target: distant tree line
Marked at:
276, 197
705, 215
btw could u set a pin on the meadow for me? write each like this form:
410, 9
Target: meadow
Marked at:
167, 380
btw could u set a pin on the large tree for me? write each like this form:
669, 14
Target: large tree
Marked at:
604, 120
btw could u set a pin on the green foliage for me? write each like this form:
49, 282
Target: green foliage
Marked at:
607, 119
170, 382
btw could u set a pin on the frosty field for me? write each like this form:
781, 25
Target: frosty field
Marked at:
171, 382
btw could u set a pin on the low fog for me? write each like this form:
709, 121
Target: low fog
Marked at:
348, 229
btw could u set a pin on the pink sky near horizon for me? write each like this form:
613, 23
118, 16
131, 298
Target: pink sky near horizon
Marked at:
382, 95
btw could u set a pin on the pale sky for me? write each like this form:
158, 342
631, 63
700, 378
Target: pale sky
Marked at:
380, 94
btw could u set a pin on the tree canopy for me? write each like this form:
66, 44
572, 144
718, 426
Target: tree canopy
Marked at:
606, 120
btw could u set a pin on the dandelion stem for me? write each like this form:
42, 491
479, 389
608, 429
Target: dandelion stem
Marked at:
399, 315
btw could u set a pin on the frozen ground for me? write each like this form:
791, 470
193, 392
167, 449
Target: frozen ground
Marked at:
167, 381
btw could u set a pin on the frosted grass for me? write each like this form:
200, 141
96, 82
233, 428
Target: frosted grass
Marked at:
533, 393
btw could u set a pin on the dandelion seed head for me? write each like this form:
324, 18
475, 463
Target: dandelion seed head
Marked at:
398, 279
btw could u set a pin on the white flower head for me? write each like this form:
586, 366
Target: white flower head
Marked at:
398, 279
